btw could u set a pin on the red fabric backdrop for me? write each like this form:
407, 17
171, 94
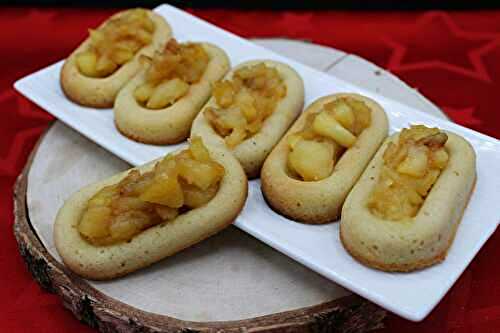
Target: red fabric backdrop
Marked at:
452, 58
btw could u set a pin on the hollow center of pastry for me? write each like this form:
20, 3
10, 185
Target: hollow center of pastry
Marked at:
115, 43
244, 102
170, 74
411, 167
325, 136
177, 183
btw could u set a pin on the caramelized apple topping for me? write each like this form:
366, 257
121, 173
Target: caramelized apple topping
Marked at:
326, 134
177, 183
115, 43
171, 73
244, 102
411, 167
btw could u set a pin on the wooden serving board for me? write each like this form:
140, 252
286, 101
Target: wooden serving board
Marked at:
230, 282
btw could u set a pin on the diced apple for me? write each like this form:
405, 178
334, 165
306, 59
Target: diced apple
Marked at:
125, 226
128, 44
244, 96
86, 62
143, 93
167, 165
415, 163
145, 37
440, 158
254, 126
166, 213
95, 222
292, 139
202, 175
434, 141
97, 37
232, 118
326, 125
195, 197
124, 204
414, 197
149, 25
417, 132
121, 56
167, 93
362, 114
237, 136
105, 66
223, 92
311, 160
244, 102
104, 197
164, 190
426, 183
249, 111
199, 151
412, 166
136, 187
212, 116
344, 114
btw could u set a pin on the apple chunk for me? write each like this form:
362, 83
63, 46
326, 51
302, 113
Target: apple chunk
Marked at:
312, 160
326, 125
167, 93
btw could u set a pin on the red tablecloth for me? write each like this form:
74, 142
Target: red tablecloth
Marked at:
452, 58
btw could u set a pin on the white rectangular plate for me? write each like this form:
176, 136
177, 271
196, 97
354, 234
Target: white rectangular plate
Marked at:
410, 295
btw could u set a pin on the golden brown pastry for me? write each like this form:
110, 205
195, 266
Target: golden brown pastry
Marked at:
138, 217
94, 73
309, 173
159, 105
251, 109
403, 213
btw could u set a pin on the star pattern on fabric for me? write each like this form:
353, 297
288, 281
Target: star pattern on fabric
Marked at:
435, 41
489, 53
464, 79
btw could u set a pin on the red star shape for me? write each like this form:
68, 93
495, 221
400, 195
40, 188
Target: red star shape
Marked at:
463, 116
435, 41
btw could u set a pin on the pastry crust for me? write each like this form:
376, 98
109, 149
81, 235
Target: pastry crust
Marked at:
420, 241
317, 202
171, 124
253, 151
101, 92
154, 243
